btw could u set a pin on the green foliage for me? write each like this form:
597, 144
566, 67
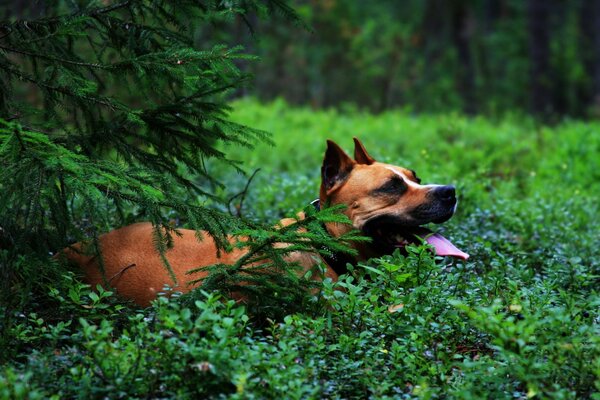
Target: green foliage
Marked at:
80, 141
519, 319
115, 112
489, 160
108, 115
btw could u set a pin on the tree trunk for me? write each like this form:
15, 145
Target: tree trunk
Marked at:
466, 76
538, 12
590, 23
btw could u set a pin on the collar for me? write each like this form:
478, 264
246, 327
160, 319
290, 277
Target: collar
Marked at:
337, 261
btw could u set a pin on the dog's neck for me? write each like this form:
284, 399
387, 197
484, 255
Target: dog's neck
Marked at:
338, 261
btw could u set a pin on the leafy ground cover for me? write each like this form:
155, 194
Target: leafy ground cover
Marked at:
519, 319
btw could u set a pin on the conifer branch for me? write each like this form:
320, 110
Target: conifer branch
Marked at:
57, 59
118, 111
112, 8
61, 90
266, 249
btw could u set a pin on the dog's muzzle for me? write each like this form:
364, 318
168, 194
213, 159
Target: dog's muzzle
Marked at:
439, 207
390, 232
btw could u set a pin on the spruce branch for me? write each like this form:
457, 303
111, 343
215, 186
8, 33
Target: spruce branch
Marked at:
118, 108
62, 90
242, 195
57, 59
266, 248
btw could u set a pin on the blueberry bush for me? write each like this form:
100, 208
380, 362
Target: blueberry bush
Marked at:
519, 319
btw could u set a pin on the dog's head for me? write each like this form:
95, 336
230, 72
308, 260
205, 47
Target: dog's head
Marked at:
386, 202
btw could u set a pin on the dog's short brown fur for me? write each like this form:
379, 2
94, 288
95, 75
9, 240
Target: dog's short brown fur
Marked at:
380, 199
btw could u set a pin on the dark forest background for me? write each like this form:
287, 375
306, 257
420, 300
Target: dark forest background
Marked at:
474, 56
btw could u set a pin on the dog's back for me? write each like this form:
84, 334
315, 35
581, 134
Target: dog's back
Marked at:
134, 267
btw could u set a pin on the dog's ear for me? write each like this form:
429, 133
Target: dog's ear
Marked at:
336, 166
360, 154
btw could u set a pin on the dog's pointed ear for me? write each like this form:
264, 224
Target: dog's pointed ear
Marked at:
336, 166
360, 154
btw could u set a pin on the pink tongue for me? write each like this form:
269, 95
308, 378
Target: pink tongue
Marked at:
443, 247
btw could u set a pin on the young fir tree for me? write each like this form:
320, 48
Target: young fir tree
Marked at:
108, 113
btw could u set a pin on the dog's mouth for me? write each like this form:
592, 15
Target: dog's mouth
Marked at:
388, 234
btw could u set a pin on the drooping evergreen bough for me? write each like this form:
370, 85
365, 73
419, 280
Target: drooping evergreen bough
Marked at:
108, 113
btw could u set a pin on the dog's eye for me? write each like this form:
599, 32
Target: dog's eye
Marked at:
394, 186
417, 179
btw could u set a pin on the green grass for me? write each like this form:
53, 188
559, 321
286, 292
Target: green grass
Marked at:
512, 156
519, 319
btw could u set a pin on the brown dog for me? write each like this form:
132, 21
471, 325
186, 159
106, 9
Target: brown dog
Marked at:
385, 202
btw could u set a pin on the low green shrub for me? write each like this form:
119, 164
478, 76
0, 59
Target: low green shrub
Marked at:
519, 319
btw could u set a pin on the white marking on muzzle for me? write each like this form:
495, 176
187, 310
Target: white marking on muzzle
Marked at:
410, 182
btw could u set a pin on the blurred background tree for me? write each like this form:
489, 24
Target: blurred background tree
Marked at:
474, 56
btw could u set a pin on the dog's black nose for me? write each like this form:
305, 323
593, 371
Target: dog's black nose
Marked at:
445, 193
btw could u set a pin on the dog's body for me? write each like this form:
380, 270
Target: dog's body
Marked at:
385, 202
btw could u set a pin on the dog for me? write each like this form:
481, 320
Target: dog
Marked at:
385, 202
